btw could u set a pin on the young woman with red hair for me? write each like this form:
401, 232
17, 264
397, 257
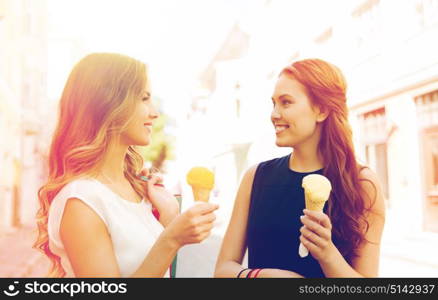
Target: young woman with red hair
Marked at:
269, 218
95, 217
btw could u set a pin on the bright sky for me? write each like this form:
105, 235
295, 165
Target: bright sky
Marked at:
176, 38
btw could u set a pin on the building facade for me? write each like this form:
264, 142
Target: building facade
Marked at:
388, 53
23, 90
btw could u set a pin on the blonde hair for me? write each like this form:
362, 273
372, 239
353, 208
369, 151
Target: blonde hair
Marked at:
98, 99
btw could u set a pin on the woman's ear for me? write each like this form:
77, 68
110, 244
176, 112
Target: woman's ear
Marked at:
321, 114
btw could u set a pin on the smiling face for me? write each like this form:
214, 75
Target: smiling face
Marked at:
294, 118
138, 130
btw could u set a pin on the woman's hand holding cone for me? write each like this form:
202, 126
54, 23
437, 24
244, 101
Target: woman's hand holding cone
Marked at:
316, 234
192, 226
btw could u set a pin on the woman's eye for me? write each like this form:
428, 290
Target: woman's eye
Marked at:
146, 98
286, 102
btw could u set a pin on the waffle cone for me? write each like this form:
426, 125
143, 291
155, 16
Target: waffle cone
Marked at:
201, 194
313, 205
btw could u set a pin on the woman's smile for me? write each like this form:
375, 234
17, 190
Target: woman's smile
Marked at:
279, 128
148, 126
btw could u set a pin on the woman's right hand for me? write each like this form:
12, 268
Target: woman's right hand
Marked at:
192, 226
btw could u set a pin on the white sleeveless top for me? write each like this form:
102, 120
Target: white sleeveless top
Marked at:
132, 226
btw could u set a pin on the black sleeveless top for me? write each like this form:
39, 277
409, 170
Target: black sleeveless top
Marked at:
277, 202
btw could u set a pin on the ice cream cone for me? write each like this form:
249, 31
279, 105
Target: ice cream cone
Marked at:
313, 205
202, 182
317, 190
200, 194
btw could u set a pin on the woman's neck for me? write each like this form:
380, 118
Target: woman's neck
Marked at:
305, 157
112, 167
304, 162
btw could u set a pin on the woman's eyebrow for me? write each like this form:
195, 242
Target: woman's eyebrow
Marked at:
282, 96
285, 96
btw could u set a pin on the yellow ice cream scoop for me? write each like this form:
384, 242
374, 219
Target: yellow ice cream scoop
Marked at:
201, 180
317, 190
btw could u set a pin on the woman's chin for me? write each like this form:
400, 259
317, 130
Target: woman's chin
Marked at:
143, 142
282, 143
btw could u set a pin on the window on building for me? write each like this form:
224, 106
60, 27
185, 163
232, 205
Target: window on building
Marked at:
427, 109
374, 138
434, 156
367, 25
427, 115
374, 126
428, 12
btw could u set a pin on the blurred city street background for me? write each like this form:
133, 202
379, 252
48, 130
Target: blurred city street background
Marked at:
212, 65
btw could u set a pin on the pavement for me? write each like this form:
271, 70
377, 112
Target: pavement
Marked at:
18, 258
408, 254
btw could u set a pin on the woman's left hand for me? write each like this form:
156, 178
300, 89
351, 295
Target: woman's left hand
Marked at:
316, 235
166, 203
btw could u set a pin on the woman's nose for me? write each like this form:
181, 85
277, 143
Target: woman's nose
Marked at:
154, 112
275, 114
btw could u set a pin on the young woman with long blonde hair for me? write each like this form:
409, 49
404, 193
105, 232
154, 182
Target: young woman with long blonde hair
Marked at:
270, 220
95, 217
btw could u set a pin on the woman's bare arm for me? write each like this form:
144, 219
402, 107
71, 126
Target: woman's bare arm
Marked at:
89, 246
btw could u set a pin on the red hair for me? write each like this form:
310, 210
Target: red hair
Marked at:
326, 88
